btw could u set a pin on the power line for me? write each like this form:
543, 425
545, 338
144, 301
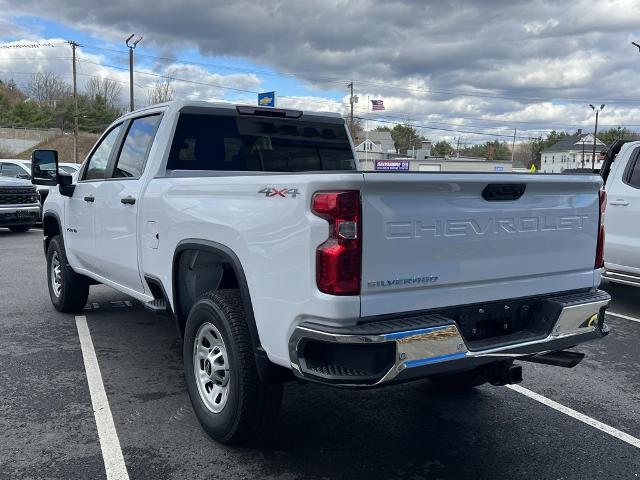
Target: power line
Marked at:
226, 67
366, 82
419, 125
170, 77
379, 84
438, 122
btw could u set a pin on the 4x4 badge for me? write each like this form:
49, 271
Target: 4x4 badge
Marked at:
280, 192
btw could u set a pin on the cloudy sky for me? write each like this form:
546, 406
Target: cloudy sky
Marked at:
452, 68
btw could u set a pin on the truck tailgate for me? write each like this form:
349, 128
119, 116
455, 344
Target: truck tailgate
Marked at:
432, 240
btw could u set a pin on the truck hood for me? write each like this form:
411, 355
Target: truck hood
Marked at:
14, 182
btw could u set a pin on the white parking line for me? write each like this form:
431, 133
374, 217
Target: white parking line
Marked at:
614, 432
109, 443
626, 317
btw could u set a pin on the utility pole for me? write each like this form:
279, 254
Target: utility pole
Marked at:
595, 135
131, 47
513, 146
75, 101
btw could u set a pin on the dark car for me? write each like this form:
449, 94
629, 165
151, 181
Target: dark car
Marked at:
19, 204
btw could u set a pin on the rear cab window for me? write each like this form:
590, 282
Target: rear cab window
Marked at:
256, 143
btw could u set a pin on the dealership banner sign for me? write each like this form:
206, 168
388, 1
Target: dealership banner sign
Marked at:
392, 165
267, 99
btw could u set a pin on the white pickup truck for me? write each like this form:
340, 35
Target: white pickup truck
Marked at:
253, 229
621, 171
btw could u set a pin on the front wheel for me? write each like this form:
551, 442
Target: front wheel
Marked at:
67, 289
230, 400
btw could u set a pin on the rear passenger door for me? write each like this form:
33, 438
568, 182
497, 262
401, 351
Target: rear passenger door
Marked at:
117, 202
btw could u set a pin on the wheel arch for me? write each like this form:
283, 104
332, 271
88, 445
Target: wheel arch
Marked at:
51, 226
226, 256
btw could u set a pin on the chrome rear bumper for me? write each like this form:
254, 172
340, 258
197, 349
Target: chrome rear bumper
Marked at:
431, 344
623, 278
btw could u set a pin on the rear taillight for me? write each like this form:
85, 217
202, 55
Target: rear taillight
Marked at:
600, 246
338, 259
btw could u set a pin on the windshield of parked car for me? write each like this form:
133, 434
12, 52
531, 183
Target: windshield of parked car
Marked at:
66, 169
253, 143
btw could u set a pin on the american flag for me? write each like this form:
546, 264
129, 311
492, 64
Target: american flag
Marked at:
377, 105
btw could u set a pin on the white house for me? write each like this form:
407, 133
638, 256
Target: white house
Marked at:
575, 151
376, 146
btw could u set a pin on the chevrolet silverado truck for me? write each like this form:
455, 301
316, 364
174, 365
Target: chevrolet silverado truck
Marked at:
19, 204
277, 259
621, 172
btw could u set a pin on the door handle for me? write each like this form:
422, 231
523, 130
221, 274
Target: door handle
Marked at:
89, 198
128, 200
620, 202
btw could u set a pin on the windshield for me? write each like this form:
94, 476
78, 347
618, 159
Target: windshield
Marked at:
248, 143
66, 169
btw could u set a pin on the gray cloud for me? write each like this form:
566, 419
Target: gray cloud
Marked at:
516, 49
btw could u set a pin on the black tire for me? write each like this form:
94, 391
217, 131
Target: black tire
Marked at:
458, 382
251, 404
20, 228
73, 287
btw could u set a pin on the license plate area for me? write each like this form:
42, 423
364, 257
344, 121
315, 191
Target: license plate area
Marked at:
492, 324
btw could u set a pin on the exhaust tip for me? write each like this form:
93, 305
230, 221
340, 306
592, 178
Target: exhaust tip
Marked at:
561, 358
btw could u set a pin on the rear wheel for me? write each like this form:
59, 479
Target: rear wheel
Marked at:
68, 290
20, 228
230, 400
459, 381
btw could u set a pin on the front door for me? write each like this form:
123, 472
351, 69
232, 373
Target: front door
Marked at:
117, 203
80, 209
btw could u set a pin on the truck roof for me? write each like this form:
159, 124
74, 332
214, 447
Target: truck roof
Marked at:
177, 105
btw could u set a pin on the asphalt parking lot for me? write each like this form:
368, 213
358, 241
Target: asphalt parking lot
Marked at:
411, 431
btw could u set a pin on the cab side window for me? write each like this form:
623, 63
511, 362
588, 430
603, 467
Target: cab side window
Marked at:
96, 168
136, 147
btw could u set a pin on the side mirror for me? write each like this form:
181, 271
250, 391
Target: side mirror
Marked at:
65, 184
24, 176
44, 167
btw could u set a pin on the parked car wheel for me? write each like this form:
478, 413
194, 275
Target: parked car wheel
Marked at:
231, 402
68, 290
20, 228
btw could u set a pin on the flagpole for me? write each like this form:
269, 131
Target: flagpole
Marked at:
366, 149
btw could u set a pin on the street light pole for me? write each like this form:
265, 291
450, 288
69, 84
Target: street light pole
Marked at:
595, 133
131, 47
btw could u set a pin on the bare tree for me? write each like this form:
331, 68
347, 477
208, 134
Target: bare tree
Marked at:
105, 87
47, 88
357, 133
161, 92
524, 155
